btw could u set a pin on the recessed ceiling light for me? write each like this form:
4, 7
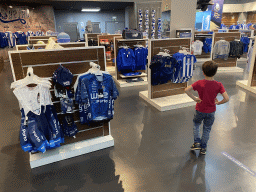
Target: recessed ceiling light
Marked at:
11, 6
90, 9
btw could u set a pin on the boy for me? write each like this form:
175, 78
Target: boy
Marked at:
208, 90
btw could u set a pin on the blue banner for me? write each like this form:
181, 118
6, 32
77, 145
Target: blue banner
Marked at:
203, 20
216, 13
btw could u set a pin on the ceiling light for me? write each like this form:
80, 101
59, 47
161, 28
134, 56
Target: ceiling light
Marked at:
90, 9
11, 6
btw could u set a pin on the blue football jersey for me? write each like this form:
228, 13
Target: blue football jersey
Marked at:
95, 95
125, 60
140, 54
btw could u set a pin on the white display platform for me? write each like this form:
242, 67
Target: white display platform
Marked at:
243, 84
70, 150
230, 69
170, 102
123, 83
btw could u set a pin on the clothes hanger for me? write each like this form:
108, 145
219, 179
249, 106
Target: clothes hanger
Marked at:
95, 69
31, 78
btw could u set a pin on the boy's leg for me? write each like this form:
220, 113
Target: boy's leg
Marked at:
198, 118
208, 122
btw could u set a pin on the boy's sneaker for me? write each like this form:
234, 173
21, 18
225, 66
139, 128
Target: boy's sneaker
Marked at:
195, 146
203, 151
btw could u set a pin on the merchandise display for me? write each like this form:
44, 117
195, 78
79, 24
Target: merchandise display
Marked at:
153, 25
184, 68
40, 129
236, 49
197, 47
178, 68
246, 42
147, 23
95, 93
221, 49
207, 45
140, 20
131, 59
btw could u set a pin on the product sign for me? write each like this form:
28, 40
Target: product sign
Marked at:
13, 15
216, 15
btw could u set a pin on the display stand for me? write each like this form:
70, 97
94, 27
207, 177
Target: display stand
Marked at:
44, 62
250, 84
170, 95
201, 36
64, 45
249, 34
88, 36
229, 65
35, 39
110, 38
119, 78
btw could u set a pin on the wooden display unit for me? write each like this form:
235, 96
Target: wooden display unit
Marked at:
201, 36
119, 78
250, 84
40, 37
88, 36
170, 95
35, 39
110, 38
44, 62
229, 65
64, 45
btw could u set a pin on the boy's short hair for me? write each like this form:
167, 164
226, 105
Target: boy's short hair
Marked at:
210, 68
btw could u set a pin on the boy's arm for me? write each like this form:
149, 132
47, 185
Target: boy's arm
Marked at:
188, 92
224, 100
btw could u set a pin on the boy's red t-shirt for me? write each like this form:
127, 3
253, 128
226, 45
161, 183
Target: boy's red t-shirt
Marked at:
208, 91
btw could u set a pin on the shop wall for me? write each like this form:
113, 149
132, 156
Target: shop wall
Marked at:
62, 17
230, 18
39, 18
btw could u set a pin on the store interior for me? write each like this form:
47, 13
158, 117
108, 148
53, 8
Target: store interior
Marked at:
93, 95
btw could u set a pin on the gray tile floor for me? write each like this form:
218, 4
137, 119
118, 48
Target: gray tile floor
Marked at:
151, 152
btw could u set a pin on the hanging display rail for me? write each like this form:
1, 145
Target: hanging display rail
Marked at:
229, 65
119, 78
170, 95
44, 62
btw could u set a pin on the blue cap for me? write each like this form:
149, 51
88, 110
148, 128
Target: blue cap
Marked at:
62, 76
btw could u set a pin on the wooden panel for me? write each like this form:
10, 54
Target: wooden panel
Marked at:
165, 93
129, 43
230, 62
168, 86
58, 56
70, 45
34, 41
17, 67
251, 17
230, 18
84, 135
173, 45
43, 71
20, 48
41, 37
1, 63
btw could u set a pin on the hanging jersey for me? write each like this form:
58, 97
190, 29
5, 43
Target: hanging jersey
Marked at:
125, 60
207, 45
140, 58
232, 27
95, 95
162, 69
184, 67
197, 47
